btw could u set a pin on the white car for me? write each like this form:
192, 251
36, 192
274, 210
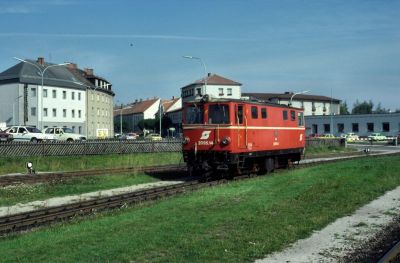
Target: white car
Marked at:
63, 134
27, 133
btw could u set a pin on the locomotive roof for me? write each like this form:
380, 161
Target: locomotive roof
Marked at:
258, 102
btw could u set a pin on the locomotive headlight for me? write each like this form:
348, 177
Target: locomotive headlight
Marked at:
226, 141
186, 140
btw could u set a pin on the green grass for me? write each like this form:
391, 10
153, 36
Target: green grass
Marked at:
323, 151
69, 163
238, 222
25, 193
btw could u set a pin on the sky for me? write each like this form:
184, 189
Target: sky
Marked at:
350, 49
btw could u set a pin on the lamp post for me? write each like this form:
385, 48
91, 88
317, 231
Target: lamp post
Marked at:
160, 115
15, 100
296, 93
42, 71
205, 70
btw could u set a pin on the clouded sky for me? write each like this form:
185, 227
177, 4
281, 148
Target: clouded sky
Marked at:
349, 48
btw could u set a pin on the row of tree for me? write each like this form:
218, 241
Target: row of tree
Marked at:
365, 107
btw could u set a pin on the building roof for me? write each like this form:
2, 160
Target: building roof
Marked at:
167, 104
27, 73
214, 79
83, 77
136, 107
287, 95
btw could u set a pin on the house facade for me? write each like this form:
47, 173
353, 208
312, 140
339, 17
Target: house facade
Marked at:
361, 124
61, 101
214, 86
312, 104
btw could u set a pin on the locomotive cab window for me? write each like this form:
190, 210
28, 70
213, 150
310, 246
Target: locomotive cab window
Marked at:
292, 115
264, 113
254, 112
285, 115
218, 114
300, 118
194, 114
239, 114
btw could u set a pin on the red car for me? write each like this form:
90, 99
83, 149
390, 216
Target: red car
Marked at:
5, 137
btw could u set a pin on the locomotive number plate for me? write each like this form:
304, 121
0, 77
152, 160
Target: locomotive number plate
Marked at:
206, 143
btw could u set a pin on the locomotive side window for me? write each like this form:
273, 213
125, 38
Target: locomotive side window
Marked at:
194, 114
300, 118
254, 112
218, 114
292, 115
285, 115
264, 113
239, 114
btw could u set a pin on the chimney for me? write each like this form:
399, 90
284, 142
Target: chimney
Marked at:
208, 74
89, 71
40, 60
72, 66
173, 97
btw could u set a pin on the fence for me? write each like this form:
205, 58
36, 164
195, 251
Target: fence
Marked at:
98, 147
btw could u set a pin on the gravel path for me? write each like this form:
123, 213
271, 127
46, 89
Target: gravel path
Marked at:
343, 236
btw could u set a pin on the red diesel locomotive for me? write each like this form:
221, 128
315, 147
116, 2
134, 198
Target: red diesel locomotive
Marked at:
235, 136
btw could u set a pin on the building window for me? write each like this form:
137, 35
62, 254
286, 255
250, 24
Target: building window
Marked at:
221, 91
370, 127
315, 129
54, 93
264, 113
33, 111
45, 112
73, 95
229, 91
385, 126
292, 115
198, 91
98, 112
79, 113
73, 128
64, 113
327, 128
44, 93
254, 112
54, 112
340, 127
98, 97
80, 129
354, 127
33, 92
285, 115
73, 113
79, 96
64, 95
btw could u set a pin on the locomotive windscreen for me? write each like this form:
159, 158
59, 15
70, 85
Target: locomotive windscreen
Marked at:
194, 114
218, 114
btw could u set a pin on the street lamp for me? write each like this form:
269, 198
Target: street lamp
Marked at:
205, 70
15, 100
297, 93
42, 71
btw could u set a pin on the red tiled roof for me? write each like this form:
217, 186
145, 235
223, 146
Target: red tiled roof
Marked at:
137, 107
168, 103
215, 79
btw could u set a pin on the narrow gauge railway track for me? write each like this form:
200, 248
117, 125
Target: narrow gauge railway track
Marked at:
6, 180
28, 220
392, 256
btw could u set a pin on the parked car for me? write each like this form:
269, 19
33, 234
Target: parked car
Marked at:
327, 136
351, 137
153, 137
131, 136
63, 134
5, 137
377, 137
27, 133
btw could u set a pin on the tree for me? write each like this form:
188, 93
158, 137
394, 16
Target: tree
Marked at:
148, 124
379, 109
343, 108
363, 107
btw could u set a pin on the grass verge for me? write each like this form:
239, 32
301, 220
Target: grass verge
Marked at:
12, 195
73, 163
324, 151
237, 222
